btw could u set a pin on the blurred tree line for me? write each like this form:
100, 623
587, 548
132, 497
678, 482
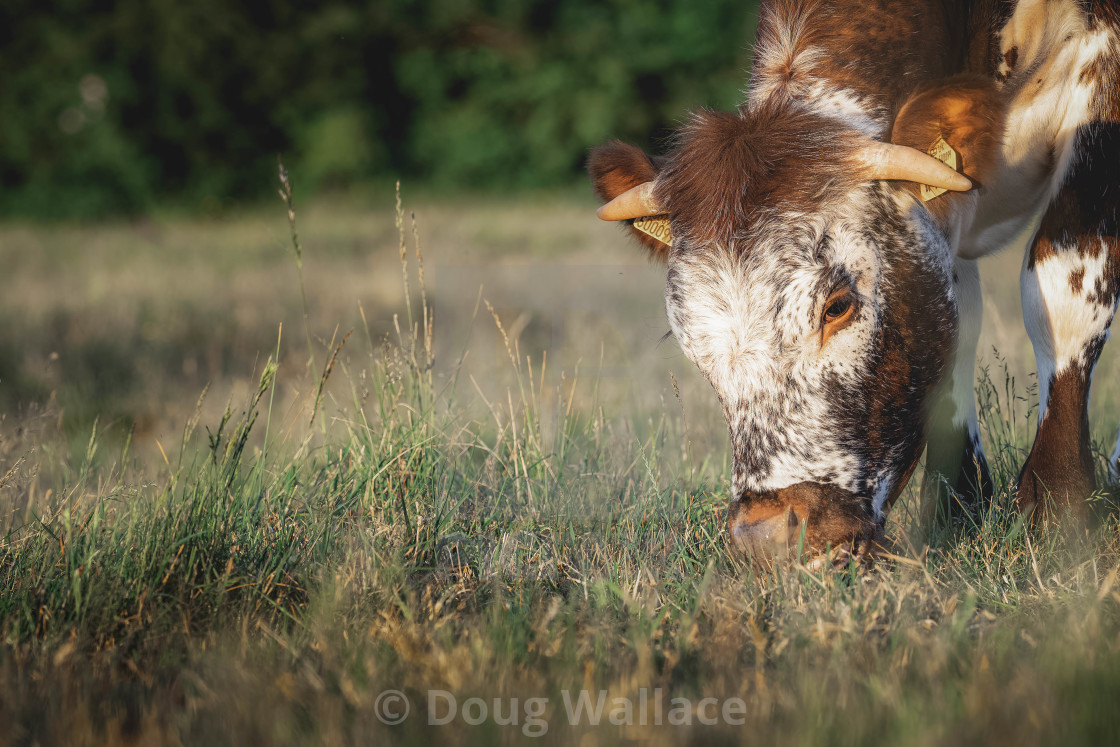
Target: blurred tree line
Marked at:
115, 106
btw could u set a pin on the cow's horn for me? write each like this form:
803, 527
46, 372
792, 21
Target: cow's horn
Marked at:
887, 161
636, 202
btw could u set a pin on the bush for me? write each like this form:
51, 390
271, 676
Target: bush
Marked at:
114, 107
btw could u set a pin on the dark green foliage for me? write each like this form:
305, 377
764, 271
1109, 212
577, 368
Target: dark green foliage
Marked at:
116, 107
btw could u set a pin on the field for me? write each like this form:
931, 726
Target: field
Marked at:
247, 489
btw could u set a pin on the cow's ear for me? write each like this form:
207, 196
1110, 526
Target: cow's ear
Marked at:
967, 112
615, 167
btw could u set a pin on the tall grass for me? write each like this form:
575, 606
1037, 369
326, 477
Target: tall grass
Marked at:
270, 590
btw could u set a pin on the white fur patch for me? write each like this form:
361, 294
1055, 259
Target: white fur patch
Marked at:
1062, 322
879, 501
844, 104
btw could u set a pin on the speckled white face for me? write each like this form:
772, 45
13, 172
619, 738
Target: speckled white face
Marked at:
752, 325
751, 320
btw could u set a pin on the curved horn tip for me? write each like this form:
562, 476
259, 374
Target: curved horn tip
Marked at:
961, 183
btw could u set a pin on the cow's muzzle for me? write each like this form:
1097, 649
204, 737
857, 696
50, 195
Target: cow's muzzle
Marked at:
826, 524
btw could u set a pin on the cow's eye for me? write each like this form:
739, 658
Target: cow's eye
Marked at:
838, 308
837, 312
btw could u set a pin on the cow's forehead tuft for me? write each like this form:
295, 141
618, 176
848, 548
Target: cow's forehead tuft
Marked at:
732, 172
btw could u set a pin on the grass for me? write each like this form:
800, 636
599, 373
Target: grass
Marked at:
507, 529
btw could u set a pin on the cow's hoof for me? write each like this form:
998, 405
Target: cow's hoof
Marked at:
1045, 495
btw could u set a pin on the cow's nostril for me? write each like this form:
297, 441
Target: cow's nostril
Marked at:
773, 536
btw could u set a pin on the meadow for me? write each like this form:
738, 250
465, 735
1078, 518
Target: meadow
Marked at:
256, 472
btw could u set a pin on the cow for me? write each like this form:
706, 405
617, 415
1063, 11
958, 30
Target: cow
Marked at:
821, 244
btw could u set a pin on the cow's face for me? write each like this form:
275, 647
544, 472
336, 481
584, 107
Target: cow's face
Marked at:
817, 302
822, 336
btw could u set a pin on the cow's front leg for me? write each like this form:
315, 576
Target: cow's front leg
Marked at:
1070, 282
957, 476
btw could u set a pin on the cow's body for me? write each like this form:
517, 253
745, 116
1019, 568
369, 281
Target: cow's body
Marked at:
1029, 92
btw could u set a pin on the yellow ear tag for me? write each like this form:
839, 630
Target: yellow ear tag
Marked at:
943, 152
656, 226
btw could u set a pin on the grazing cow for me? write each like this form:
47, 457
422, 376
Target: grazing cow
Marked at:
822, 264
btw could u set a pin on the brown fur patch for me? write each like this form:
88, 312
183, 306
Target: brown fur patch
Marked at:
1011, 56
615, 167
1076, 278
968, 112
1043, 248
1061, 466
1093, 71
728, 167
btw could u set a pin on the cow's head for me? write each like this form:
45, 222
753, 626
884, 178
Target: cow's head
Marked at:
812, 287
